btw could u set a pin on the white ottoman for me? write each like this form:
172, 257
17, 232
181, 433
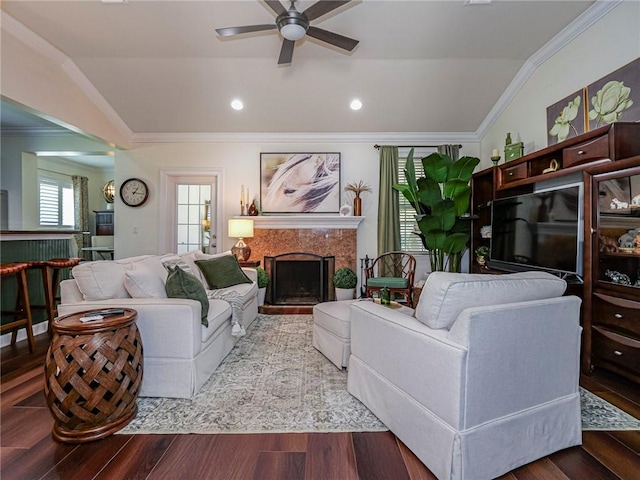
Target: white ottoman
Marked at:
332, 331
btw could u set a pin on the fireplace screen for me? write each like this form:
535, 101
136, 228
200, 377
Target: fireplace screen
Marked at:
299, 279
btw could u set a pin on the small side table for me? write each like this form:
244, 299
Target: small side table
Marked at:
93, 373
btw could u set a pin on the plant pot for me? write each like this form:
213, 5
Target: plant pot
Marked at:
261, 294
345, 293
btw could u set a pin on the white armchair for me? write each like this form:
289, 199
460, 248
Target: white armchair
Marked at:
482, 380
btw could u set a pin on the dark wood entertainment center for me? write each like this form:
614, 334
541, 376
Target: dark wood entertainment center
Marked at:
603, 158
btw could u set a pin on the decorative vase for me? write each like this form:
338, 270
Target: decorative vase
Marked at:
481, 260
357, 206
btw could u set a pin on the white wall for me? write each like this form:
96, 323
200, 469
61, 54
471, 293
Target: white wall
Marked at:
240, 163
607, 45
18, 172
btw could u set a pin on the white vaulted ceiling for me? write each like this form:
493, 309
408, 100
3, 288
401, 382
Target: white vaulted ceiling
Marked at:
421, 66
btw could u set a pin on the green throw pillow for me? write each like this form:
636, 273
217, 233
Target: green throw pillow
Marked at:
222, 272
181, 284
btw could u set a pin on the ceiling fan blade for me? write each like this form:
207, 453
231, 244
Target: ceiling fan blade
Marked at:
286, 52
320, 8
339, 41
276, 6
225, 32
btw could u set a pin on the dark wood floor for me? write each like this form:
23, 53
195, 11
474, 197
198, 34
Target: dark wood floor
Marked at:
29, 452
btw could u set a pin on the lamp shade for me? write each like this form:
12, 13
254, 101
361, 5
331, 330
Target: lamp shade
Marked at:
240, 228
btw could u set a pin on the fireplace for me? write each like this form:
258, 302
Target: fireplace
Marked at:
299, 278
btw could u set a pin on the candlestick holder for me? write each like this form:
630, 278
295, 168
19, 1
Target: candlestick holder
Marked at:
495, 160
242, 208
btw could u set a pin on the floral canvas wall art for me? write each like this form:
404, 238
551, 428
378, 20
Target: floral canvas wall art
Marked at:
300, 182
566, 118
615, 98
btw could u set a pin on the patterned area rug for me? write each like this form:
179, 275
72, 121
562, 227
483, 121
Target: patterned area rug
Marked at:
275, 381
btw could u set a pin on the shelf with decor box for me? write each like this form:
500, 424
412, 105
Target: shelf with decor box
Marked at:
603, 145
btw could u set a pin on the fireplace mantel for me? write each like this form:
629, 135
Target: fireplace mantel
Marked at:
305, 221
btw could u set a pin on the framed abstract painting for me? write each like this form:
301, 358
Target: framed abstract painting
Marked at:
300, 182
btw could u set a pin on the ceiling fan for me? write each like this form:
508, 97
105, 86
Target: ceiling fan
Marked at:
294, 25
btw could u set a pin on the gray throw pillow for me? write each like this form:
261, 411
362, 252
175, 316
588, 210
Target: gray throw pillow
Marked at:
181, 284
222, 272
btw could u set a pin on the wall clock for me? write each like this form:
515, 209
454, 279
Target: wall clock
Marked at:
134, 192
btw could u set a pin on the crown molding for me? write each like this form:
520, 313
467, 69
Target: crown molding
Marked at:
598, 10
33, 131
40, 45
294, 137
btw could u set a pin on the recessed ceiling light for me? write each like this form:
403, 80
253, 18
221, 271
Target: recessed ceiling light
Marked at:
237, 104
356, 104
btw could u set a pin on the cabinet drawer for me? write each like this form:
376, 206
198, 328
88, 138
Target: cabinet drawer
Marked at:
512, 174
614, 349
616, 314
595, 149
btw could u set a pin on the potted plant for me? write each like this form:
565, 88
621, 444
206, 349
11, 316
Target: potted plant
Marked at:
345, 281
263, 281
482, 253
441, 200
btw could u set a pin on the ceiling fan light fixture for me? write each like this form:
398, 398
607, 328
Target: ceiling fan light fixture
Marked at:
293, 31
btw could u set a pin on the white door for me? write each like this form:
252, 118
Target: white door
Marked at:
190, 213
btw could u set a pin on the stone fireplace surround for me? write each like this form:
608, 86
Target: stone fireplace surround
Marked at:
319, 234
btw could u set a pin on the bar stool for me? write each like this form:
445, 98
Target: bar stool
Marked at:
51, 270
22, 312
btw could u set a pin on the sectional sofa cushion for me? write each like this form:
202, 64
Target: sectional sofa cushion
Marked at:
100, 280
181, 284
144, 284
445, 295
222, 272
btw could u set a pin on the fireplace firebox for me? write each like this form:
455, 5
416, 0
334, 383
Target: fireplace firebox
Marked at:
299, 278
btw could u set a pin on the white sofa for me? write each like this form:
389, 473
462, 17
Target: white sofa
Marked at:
483, 379
180, 353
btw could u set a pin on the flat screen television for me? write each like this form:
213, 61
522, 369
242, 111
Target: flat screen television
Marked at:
539, 231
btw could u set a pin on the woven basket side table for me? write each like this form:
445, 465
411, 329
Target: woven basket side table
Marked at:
93, 373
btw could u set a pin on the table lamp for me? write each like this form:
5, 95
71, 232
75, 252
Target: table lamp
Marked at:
241, 228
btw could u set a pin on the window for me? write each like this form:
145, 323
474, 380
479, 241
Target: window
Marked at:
55, 201
409, 241
193, 217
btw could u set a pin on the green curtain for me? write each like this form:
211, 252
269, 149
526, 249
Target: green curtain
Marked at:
81, 201
388, 202
451, 150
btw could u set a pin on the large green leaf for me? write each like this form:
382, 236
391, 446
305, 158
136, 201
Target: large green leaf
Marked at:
436, 239
436, 166
463, 169
455, 243
442, 217
460, 193
429, 192
406, 191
